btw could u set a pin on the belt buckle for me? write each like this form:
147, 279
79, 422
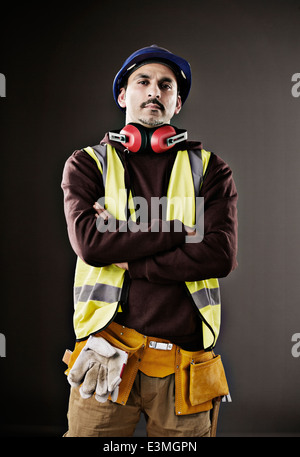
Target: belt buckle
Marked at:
160, 346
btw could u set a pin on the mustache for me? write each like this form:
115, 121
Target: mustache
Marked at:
153, 101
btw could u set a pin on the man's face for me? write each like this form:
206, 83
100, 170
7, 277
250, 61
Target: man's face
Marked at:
151, 96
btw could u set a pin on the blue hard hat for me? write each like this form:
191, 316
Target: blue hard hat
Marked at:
180, 67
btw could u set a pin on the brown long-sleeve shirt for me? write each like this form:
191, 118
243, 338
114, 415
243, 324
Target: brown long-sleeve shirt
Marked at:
159, 261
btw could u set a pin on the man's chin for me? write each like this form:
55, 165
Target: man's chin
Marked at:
151, 122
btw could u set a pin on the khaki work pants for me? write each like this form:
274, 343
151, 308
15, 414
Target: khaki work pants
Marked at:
155, 397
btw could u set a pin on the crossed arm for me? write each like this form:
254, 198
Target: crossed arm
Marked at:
101, 212
158, 255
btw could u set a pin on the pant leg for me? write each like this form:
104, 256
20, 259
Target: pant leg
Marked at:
89, 418
158, 402
154, 396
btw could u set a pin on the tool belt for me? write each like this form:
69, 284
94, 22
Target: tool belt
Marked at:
199, 376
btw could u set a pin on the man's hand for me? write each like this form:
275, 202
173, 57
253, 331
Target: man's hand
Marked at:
102, 212
189, 231
105, 215
123, 265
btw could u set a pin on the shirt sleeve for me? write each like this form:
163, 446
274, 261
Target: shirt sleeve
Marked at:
215, 255
82, 186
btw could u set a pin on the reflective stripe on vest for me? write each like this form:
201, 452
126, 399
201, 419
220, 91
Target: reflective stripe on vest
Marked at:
97, 291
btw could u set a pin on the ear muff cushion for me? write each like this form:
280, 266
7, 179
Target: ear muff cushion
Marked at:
159, 138
137, 138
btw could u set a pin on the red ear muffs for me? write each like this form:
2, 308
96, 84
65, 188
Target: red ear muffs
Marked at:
160, 136
137, 138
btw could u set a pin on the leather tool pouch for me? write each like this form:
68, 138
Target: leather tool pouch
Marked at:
199, 378
207, 381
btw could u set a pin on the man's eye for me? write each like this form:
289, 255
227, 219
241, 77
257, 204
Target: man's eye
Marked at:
143, 82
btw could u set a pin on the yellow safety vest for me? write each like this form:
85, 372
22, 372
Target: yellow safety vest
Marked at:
98, 292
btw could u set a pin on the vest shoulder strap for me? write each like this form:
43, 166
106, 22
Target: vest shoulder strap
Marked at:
98, 153
199, 159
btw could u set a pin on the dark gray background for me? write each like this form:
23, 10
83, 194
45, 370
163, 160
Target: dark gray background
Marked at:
59, 64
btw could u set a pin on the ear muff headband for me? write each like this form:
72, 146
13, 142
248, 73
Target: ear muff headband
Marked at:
137, 138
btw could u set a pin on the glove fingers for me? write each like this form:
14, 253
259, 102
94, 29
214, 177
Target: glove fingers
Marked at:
102, 398
114, 394
79, 369
89, 384
101, 387
83, 394
115, 368
114, 383
99, 368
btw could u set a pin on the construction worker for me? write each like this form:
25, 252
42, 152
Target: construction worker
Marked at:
146, 291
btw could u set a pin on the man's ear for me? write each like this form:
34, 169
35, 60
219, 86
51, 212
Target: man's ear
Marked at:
122, 97
178, 105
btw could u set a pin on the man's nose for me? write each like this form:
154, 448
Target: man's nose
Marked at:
154, 91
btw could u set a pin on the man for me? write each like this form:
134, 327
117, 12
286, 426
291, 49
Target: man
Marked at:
147, 302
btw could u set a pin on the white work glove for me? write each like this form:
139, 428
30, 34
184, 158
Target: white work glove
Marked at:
98, 368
